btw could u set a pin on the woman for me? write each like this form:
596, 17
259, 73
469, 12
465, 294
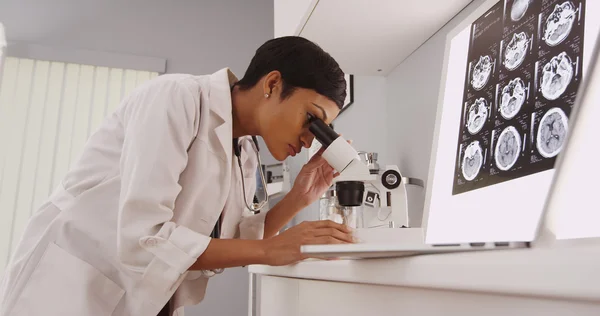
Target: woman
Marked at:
130, 230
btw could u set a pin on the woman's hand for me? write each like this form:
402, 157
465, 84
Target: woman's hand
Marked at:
314, 179
284, 248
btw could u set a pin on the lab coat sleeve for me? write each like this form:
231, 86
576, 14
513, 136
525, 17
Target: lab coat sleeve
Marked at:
159, 122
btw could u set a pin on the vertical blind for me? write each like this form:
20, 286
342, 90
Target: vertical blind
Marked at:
47, 112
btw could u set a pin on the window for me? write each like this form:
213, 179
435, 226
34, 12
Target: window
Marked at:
48, 109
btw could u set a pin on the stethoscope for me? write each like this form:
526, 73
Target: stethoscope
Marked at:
253, 207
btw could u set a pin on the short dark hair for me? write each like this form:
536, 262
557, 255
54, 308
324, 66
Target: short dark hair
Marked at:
302, 64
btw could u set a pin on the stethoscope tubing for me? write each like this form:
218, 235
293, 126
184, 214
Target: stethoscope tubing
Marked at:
254, 208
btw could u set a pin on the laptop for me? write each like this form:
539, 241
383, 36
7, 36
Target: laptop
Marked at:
501, 201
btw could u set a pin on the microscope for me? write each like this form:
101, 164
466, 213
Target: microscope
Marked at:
381, 196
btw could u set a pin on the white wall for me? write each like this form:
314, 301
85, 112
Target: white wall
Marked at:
364, 121
195, 36
412, 98
288, 14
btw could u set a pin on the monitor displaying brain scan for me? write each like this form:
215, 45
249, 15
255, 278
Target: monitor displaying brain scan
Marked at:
512, 71
524, 65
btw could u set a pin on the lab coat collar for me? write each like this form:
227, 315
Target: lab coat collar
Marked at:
220, 91
220, 104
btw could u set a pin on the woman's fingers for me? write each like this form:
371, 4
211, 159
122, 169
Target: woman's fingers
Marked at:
314, 164
326, 240
316, 158
331, 224
327, 170
335, 233
318, 154
320, 151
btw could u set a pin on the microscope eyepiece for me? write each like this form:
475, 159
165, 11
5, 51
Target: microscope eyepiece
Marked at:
323, 132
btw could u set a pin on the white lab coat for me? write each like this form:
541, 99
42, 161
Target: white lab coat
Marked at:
134, 213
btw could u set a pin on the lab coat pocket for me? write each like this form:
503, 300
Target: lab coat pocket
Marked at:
63, 284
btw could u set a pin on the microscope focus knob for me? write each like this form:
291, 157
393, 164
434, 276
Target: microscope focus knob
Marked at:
391, 179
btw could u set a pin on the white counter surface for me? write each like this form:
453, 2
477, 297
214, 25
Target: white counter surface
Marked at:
566, 273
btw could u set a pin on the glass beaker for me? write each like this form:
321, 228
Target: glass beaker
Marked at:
351, 216
328, 207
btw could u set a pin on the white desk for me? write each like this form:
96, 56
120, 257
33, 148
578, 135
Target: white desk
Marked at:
558, 281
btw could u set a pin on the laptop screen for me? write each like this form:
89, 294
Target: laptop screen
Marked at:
512, 72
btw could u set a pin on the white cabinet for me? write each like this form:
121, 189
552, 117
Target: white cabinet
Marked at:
534, 281
365, 37
277, 296
291, 296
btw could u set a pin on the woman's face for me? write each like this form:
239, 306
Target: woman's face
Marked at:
285, 131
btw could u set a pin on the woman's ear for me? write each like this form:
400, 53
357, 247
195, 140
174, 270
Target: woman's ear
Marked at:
272, 83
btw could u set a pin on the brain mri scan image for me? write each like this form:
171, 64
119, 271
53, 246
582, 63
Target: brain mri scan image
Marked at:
516, 50
513, 97
556, 76
519, 8
472, 161
477, 115
482, 72
559, 23
508, 147
552, 132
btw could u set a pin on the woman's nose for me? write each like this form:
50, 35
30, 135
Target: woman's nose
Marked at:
307, 139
